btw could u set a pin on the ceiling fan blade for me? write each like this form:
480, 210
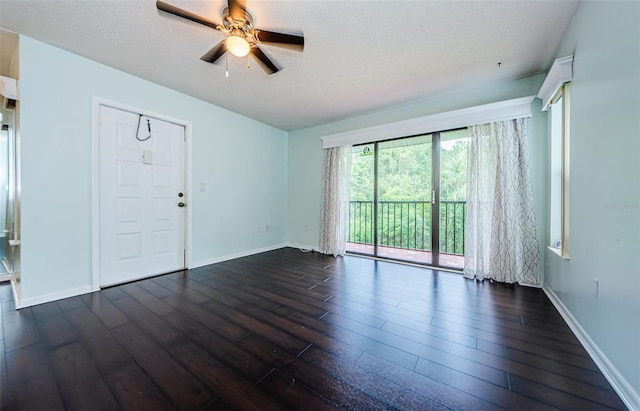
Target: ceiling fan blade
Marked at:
267, 65
176, 11
215, 53
289, 41
237, 9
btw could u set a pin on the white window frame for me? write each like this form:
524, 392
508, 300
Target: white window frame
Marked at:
555, 86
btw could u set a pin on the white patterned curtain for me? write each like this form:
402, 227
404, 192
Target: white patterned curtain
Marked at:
501, 242
336, 176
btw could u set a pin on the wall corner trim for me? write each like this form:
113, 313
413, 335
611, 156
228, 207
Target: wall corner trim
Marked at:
561, 72
629, 396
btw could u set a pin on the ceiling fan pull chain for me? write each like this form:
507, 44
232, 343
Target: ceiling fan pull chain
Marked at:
226, 62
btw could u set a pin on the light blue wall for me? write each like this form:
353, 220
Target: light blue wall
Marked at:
305, 151
243, 163
604, 38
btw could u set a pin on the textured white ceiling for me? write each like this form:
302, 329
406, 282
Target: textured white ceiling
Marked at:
359, 55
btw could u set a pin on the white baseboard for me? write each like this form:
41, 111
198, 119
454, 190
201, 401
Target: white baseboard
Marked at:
627, 393
236, 255
28, 302
15, 291
304, 247
531, 285
4, 264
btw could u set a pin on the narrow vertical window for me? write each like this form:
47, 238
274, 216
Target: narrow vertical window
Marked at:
555, 94
559, 172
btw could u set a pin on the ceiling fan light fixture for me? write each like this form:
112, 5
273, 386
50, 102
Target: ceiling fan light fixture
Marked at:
238, 46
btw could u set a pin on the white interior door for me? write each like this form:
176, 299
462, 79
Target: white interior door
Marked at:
142, 196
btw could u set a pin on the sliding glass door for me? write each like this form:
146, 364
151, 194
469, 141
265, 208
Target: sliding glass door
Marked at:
452, 195
408, 199
404, 199
361, 237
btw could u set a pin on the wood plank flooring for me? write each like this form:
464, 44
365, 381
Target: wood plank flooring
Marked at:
292, 330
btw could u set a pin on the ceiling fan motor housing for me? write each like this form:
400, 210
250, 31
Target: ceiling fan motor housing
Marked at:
241, 28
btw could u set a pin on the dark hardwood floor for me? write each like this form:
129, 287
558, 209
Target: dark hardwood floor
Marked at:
292, 330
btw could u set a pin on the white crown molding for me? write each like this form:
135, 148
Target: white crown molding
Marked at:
9, 87
560, 73
486, 113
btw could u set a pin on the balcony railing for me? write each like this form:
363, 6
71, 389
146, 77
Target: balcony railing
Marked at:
407, 224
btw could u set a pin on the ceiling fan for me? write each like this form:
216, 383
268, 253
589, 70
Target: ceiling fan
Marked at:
242, 38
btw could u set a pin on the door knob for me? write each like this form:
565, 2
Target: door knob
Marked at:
181, 204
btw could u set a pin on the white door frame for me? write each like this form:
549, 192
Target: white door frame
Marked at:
98, 102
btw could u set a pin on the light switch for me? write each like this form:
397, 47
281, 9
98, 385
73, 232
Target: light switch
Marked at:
203, 187
147, 157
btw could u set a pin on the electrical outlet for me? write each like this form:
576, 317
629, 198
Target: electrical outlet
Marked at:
596, 287
306, 227
266, 228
